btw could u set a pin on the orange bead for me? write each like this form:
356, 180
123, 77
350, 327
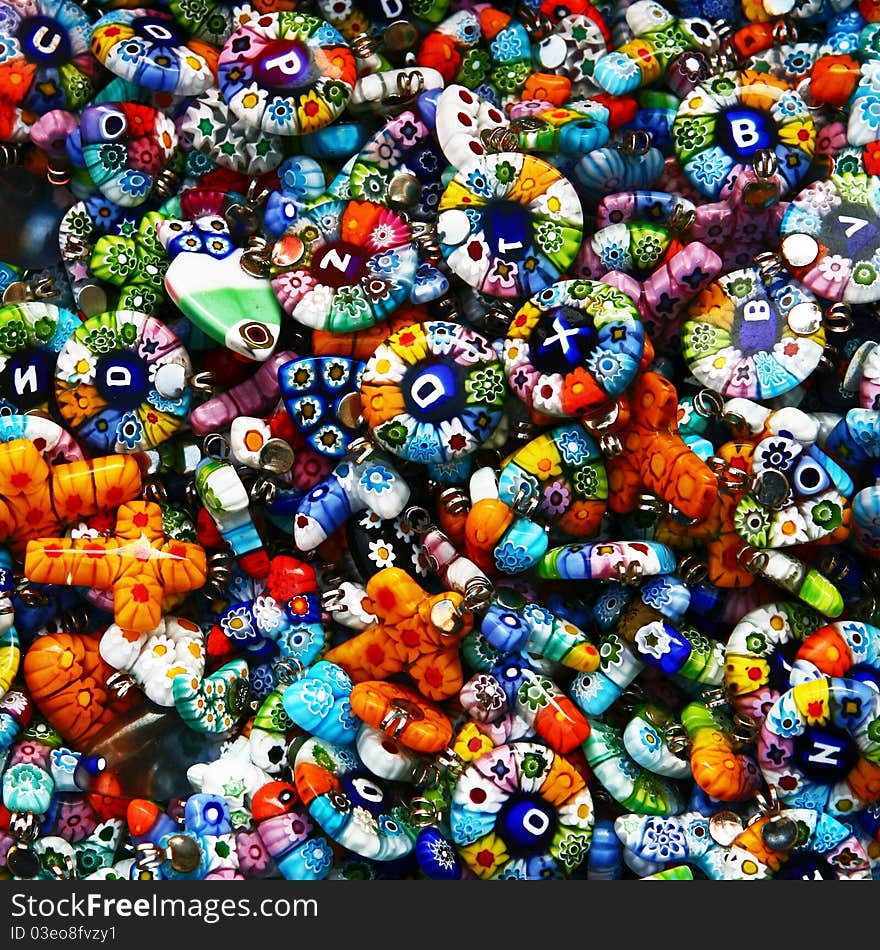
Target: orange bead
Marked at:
833, 79
546, 87
67, 678
486, 523
419, 724
828, 651
141, 816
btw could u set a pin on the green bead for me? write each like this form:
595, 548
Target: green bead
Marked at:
819, 592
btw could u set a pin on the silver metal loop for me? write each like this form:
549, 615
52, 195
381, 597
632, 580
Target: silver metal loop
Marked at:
677, 740
203, 382
682, 218
288, 670
24, 826
838, 318
120, 683
536, 23
167, 184
10, 154
454, 500
730, 477
66, 871
632, 697
419, 519
364, 45
768, 803
692, 570
31, 596
410, 84
26, 291
765, 165
333, 601
745, 729
635, 142
500, 139
423, 812
424, 234
263, 491
629, 574
149, 856
74, 249
769, 265
154, 491
708, 404
360, 449
216, 445
478, 594
58, 175
256, 259
651, 505
524, 503
753, 560
716, 697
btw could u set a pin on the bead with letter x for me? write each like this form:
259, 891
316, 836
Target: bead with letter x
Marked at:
138, 564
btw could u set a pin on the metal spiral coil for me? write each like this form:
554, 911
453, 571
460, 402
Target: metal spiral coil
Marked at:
537, 24
455, 501
424, 235
500, 139
682, 219
58, 175
838, 318
167, 184
769, 265
256, 260
10, 154
635, 142
364, 45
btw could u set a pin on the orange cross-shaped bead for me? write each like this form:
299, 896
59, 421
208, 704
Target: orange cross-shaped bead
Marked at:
37, 499
654, 455
418, 633
137, 564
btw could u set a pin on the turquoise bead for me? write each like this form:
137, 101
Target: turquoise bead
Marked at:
318, 702
522, 547
27, 788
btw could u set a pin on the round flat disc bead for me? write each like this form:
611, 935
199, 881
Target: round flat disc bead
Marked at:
510, 224
751, 338
352, 264
148, 48
725, 124
106, 382
46, 62
521, 811
433, 392
354, 807
31, 335
830, 233
573, 348
287, 73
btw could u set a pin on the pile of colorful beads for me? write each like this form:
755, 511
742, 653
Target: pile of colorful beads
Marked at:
440, 440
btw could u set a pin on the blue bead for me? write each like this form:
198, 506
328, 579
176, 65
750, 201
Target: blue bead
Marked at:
436, 856
207, 814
